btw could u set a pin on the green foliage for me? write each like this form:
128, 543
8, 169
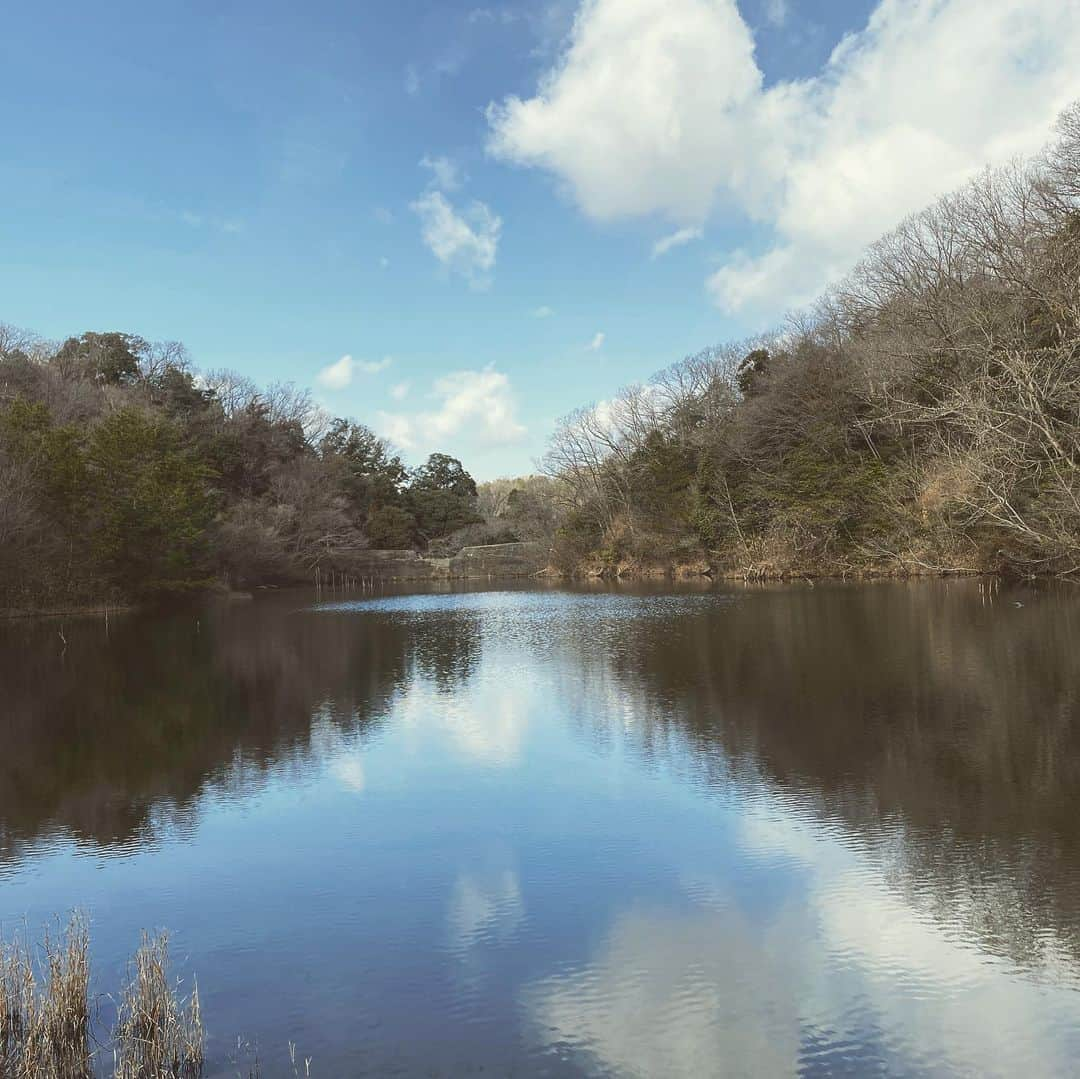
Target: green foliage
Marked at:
176, 391
109, 358
829, 494
161, 480
391, 528
52, 455
442, 497
442, 473
438, 513
576, 539
371, 476
152, 504
662, 472
753, 371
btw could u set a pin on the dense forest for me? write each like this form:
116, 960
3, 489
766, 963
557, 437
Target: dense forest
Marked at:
127, 476
923, 415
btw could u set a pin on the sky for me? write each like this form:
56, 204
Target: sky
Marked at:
457, 221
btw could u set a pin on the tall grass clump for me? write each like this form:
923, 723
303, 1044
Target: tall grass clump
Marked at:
158, 1036
47, 1015
45, 1007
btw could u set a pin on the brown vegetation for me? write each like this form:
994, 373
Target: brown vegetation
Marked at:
924, 416
44, 1008
46, 1015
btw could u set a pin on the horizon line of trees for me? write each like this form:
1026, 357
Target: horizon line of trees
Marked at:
126, 475
924, 413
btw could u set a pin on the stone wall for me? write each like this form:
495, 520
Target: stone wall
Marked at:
497, 560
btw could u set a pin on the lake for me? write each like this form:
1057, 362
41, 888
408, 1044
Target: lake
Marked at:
693, 831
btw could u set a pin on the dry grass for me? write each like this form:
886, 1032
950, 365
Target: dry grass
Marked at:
46, 1013
45, 1008
157, 1035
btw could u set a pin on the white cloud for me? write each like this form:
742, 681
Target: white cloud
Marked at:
399, 391
397, 428
373, 367
543, 312
336, 376
776, 12
640, 113
484, 907
675, 239
445, 175
412, 81
477, 405
339, 375
596, 344
758, 974
349, 771
463, 241
658, 107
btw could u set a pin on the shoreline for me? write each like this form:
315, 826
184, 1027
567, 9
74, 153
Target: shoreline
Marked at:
99, 610
698, 569
674, 573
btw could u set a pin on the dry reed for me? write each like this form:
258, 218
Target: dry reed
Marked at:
45, 1007
157, 1035
45, 1015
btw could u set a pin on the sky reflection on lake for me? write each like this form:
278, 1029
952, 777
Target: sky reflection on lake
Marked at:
551, 832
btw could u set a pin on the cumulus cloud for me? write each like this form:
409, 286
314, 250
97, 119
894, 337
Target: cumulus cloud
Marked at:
336, 376
339, 375
399, 391
639, 114
464, 241
543, 312
596, 344
477, 405
657, 107
445, 174
675, 239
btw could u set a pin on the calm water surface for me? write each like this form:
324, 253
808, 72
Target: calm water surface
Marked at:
527, 832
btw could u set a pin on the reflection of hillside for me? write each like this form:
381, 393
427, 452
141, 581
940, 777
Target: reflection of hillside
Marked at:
944, 732
110, 732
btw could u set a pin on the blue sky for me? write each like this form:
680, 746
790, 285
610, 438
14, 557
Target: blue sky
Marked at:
250, 179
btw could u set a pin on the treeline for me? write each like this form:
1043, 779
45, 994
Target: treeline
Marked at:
925, 414
125, 475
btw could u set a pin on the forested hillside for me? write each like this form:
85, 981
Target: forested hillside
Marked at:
124, 476
925, 414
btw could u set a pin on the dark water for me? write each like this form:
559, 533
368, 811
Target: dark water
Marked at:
825, 831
